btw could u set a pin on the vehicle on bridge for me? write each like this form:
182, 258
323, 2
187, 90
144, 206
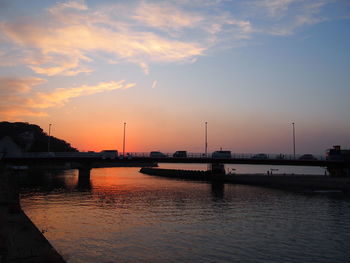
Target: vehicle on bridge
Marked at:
307, 157
260, 156
221, 154
336, 153
180, 154
109, 154
157, 154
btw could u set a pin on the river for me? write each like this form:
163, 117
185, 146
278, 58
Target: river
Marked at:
120, 215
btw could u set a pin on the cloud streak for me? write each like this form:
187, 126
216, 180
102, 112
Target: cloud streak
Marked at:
72, 35
68, 36
284, 17
166, 17
19, 97
154, 84
61, 96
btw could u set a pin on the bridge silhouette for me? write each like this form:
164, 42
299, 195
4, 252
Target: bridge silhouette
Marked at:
84, 162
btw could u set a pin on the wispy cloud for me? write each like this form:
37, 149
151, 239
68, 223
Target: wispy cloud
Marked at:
166, 16
284, 17
72, 35
154, 84
19, 98
14, 85
66, 38
14, 97
77, 4
275, 8
62, 95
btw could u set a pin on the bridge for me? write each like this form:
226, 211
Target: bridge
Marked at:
84, 162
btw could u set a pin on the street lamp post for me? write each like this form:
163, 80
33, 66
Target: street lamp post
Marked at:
124, 140
206, 139
293, 139
48, 143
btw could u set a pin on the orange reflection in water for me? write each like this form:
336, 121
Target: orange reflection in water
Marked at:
113, 176
121, 180
77, 206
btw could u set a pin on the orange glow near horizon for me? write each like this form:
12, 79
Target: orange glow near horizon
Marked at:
145, 135
147, 139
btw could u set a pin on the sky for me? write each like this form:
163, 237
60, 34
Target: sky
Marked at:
248, 68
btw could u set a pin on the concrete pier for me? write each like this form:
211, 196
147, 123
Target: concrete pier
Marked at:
84, 171
20, 240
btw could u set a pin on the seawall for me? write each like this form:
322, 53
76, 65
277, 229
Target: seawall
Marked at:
20, 240
289, 182
295, 182
197, 175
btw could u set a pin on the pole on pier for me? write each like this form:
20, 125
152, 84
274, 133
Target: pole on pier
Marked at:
293, 139
206, 139
124, 140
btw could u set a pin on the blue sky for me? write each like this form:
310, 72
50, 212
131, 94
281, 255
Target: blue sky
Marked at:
248, 68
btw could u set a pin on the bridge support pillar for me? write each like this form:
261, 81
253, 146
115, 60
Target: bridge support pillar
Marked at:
84, 172
217, 168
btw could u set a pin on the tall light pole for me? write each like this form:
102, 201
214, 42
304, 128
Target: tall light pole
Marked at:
293, 139
124, 140
206, 139
48, 143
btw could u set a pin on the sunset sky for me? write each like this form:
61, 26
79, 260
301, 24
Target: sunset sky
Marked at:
249, 68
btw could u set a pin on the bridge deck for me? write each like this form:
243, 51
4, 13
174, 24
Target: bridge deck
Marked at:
97, 161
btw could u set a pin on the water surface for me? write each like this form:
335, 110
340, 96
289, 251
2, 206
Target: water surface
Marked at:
120, 215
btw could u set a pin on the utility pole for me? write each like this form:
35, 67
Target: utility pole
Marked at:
124, 141
206, 139
293, 140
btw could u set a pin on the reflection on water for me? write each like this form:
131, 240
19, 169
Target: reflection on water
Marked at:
84, 183
120, 215
217, 190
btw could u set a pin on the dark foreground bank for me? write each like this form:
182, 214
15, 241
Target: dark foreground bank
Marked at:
289, 182
20, 240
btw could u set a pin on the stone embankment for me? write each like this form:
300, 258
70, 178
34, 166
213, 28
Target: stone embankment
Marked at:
20, 240
289, 182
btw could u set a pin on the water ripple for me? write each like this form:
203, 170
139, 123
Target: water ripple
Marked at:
123, 216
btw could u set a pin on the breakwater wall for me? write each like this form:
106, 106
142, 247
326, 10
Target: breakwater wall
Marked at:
289, 182
197, 175
20, 240
295, 182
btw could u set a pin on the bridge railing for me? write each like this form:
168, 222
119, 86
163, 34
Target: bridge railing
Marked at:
260, 156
